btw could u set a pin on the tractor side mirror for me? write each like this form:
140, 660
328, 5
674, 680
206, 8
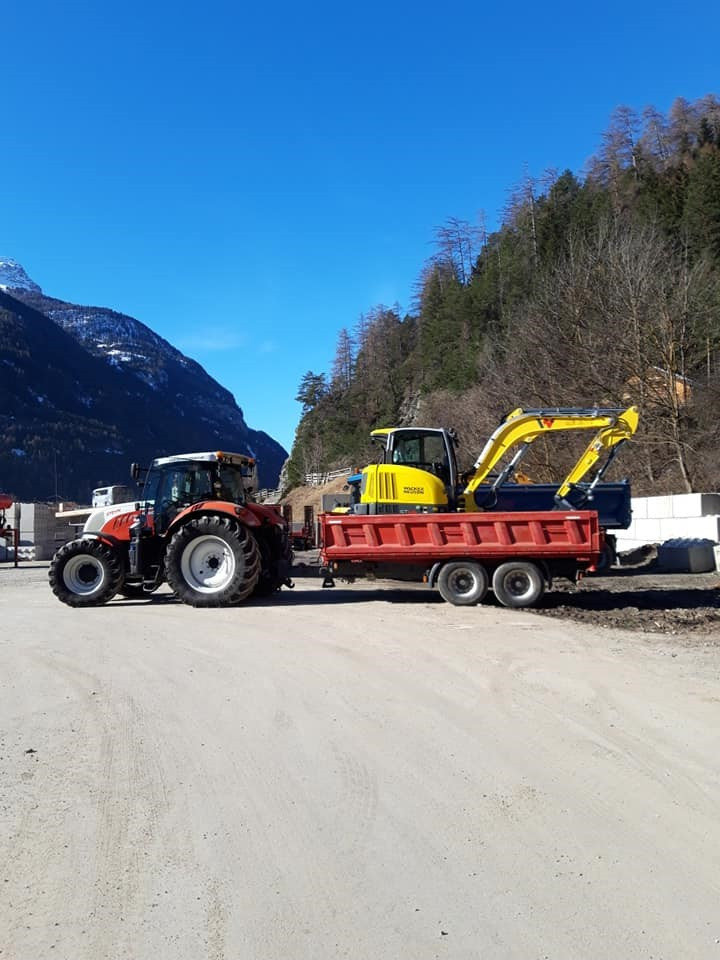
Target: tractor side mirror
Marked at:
138, 473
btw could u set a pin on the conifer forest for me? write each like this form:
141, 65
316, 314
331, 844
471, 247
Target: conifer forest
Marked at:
596, 289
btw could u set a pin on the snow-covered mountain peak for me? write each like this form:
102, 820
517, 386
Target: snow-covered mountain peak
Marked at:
13, 276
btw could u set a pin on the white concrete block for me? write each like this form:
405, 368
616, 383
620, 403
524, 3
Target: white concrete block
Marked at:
630, 532
695, 504
639, 508
626, 543
658, 507
716, 551
673, 528
687, 505
648, 531
699, 528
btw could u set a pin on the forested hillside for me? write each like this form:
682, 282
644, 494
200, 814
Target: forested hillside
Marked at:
597, 289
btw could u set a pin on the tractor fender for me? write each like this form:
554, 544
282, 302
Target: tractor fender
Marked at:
105, 538
214, 508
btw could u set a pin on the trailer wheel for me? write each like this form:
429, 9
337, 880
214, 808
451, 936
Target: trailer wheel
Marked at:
608, 557
462, 583
212, 562
86, 573
518, 584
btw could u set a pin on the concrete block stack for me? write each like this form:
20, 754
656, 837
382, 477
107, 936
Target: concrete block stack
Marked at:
687, 517
38, 530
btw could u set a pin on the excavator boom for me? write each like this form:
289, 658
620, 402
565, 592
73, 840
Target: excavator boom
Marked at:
614, 424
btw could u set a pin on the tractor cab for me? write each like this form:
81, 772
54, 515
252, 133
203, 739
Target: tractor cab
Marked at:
173, 483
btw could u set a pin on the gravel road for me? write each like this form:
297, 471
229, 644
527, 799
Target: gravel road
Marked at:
351, 773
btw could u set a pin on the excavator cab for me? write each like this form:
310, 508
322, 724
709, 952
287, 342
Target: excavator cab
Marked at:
417, 472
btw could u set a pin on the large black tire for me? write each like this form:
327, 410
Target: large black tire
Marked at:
276, 560
86, 573
518, 583
462, 583
212, 562
608, 557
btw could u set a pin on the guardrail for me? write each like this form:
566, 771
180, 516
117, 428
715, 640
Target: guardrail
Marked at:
316, 479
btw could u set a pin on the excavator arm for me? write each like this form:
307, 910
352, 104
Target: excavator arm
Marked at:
606, 440
613, 424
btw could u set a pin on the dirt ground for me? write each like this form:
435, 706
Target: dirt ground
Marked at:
304, 496
362, 772
650, 601
641, 598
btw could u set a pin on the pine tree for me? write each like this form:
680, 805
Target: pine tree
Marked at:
313, 387
701, 216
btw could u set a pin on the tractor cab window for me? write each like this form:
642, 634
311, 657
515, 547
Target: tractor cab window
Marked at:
186, 483
229, 484
176, 485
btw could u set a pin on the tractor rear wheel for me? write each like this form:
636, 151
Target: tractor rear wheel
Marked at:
212, 562
86, 573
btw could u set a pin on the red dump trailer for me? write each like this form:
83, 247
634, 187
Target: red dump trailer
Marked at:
465, 554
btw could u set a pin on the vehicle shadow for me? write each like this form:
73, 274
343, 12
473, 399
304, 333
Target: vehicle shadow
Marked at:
302, 596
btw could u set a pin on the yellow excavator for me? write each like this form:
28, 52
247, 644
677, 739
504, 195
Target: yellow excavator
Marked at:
418, 471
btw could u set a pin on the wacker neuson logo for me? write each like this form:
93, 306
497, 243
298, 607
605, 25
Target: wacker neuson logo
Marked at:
419, 490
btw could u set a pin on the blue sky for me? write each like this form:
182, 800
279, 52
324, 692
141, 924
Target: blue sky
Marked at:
248, 180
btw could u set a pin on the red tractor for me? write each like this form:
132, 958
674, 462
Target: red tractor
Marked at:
195, 529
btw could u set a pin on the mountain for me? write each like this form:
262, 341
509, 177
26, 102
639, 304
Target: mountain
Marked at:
13, 277
86, 390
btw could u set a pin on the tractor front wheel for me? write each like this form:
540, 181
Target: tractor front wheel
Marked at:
86, 573
212, 562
